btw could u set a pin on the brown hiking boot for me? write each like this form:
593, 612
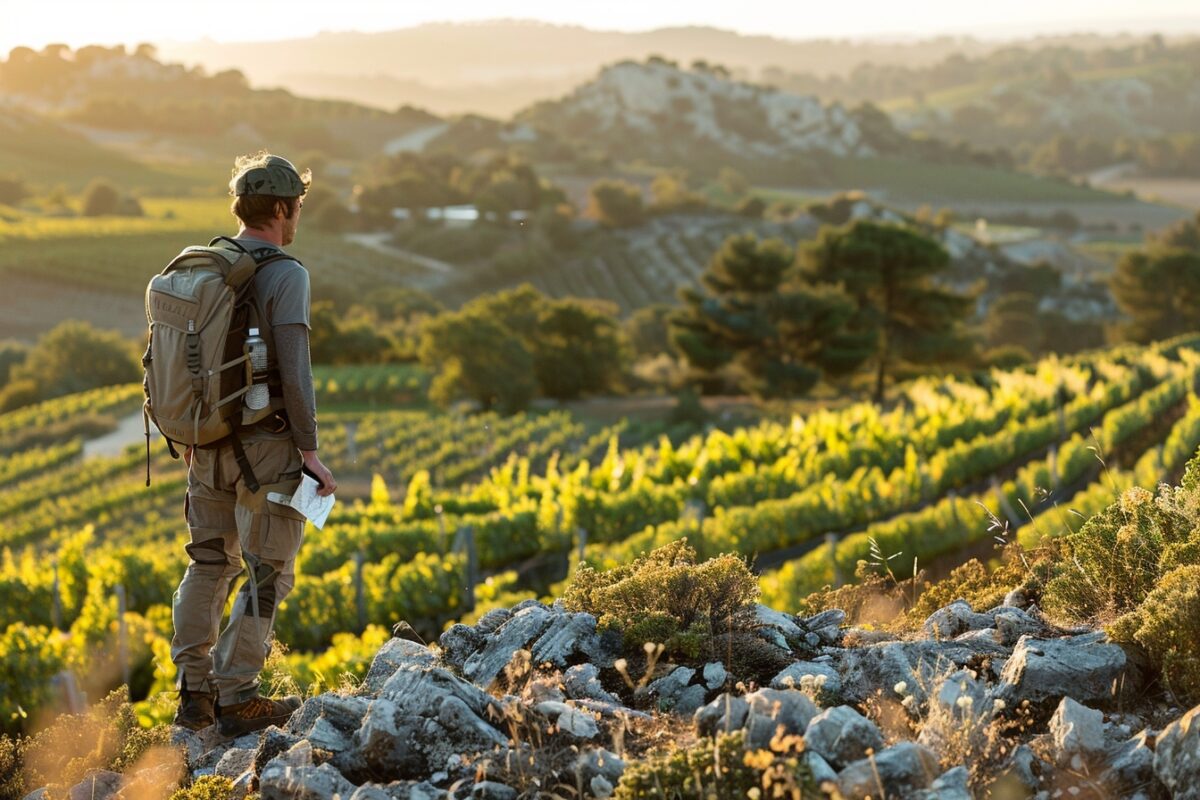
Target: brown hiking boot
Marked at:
254, 714
195, 709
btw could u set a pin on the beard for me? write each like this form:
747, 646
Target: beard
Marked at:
289, 231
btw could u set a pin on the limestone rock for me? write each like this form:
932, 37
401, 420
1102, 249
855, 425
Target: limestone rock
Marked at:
1076, 730
669, 687
281, 782
567, 635
1130, 766
772, 709
917, 663
898, 770
953, 784
1177, 756
342, 712
97, 785
1087, 668
955, 619
491, 790
582, 681
271, 743
715, 675
526, 625
818, 672
1013, 623
776, 627
571, 720
600, 763
725, 714
235, 762
459, 642
841, 735
395, 653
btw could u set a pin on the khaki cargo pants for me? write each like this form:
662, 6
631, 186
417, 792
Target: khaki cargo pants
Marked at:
231, 526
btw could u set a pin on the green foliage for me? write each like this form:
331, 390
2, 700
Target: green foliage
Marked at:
889, 271
13, 190
477, 357
1012, 320
73, 357
664, 594
1167, 625
720, 768
755, 313
617, 204
1119, 556
12, 354
101, 198
577, 348
208, 787
1159, 291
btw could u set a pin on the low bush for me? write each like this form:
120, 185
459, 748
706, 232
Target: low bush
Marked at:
666, 597
1167, 625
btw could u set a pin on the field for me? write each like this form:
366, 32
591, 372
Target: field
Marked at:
96, 268
802, 498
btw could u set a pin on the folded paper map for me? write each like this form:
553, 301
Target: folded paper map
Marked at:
306, 500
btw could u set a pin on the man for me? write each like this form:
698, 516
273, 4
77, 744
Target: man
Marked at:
230, 525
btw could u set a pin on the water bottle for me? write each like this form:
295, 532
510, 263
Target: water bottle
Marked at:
259, 395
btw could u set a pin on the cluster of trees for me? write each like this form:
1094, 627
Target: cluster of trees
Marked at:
1177, 154
861, 296
500, 350
1158, 286
72, 357
382, 329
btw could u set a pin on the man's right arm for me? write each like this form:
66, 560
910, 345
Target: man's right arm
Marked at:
299, 397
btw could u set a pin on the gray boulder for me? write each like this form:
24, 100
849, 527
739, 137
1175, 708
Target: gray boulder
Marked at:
493, 619
567, 635
1130, 766
343, 712
582, 681
818, 767
771, 711
899, 770
1087, 667
955, 619
715, 675
235, 762
525, 626
793, 677
395, 653
841, 735
1077, 731
271, 744
97, 785
669, 687
1177, 756
776, 627
491, 790
916, 664
398, 790
599, 763
282, 782
953, 784
725, 714
1013, 623
570, 720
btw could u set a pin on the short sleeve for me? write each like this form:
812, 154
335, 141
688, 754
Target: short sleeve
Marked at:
289, 302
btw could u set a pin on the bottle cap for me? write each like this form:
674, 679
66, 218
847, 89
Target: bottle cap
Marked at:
254, 331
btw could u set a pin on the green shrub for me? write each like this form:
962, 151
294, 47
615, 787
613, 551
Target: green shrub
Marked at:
1167, 625
1119, 555
665, 596
207, 787
719, 768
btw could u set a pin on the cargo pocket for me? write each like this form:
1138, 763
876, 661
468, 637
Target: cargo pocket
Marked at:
281, 527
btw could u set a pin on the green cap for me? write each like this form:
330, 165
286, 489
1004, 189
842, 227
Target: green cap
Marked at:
272, 175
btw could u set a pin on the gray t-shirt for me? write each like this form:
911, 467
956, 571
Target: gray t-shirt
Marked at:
284, 292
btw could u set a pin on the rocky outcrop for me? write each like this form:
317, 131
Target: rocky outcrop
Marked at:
455, 721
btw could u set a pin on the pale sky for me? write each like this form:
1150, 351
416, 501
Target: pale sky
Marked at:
36, 23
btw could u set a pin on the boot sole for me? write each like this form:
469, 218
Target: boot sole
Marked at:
240, 728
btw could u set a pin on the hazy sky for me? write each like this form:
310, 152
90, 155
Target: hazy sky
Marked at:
38, 22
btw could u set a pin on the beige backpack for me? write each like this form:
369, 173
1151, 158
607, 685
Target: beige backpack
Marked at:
199, 310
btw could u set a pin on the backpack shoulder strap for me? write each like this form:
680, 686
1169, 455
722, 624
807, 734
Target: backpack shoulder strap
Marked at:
262, 256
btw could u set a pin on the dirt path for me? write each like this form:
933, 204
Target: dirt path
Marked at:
379, 242
130, 430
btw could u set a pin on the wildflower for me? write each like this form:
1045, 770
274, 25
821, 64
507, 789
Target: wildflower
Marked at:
965, 702
901, 687
998, 705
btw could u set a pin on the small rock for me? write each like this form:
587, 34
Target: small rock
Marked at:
1021, 773
954, 620
776, 627
281, 782
394, 654
904, 767
600, 763
272, 742
1130, 765
235, 762
841, 735
715, 675
327, 737
579, 724
772, 709
37, 794
1013, 623
725, 714
689, 700
398, 790
493, 619
1177, 756
97, 785
818, 767
832, 617
1017, 598
343, 712
583, 681
1077, 730
952, 785
491, 790
793, 677
600, 787
1085, 667
526, 625
459, 642
668, 688
565, 637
